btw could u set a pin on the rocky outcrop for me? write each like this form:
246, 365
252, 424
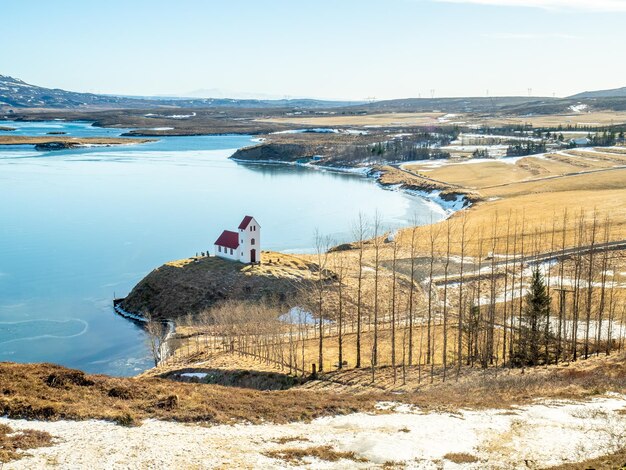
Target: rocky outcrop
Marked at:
47, 146
274, 152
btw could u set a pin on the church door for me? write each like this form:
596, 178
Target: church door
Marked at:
253, 256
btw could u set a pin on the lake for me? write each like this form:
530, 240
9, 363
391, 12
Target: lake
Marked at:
80, 226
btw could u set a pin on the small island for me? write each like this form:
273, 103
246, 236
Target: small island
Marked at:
44, 143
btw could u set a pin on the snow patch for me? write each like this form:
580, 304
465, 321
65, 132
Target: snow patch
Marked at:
578, 108
540, 435
198, 375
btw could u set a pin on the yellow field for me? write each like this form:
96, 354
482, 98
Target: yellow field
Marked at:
573, 119
484, 174
474, 175
425, 118
537, 190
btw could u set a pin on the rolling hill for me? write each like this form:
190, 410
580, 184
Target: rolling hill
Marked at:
612, 93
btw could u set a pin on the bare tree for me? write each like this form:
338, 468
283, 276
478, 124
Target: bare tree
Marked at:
590, 279
377, 247
411, 309
322, 245
506, 290
156, 336
339, 268
394, 243
461, 298
360, 232
444, 353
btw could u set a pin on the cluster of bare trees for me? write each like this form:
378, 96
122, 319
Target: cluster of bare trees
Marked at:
444, 297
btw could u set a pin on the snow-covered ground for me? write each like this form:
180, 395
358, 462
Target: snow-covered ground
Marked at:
578, 108
498, 150
439, 163
535, 436
525, 138
446, 206
172, 116
198, 375
323, 130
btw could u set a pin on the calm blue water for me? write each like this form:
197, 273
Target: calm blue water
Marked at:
80, 226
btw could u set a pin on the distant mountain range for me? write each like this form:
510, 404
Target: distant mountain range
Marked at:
19, 94
612, 93
15, 93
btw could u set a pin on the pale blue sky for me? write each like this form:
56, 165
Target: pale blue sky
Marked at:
329, 49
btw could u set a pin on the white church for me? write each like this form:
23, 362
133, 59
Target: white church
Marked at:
244, 245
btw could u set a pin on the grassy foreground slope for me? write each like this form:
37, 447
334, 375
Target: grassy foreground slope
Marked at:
51, 392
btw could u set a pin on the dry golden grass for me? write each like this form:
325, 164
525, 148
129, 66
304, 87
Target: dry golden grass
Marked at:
382, 119
273, 264
596, 118
393, 176
494, 387
50, 392
13, 444
599, 118
460, 457
296, 455
497, 173
474, 175
536, 190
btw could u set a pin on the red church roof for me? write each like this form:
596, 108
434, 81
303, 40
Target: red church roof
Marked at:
228, 239
244, 223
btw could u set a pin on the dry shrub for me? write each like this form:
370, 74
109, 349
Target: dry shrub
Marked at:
326, 453
13, 443
130, 400
167, 403
393, 465
126, 419
123, 393
286, 439
461, 457
67, 378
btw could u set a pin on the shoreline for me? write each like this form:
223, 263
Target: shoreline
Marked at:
429, 195
164, 349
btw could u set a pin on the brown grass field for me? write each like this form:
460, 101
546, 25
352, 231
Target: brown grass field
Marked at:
46, 391
377, 120
536, 190
12, 444
596, 118
33, 140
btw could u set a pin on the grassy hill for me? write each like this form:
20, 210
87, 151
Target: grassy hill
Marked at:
614, 92
189, 286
